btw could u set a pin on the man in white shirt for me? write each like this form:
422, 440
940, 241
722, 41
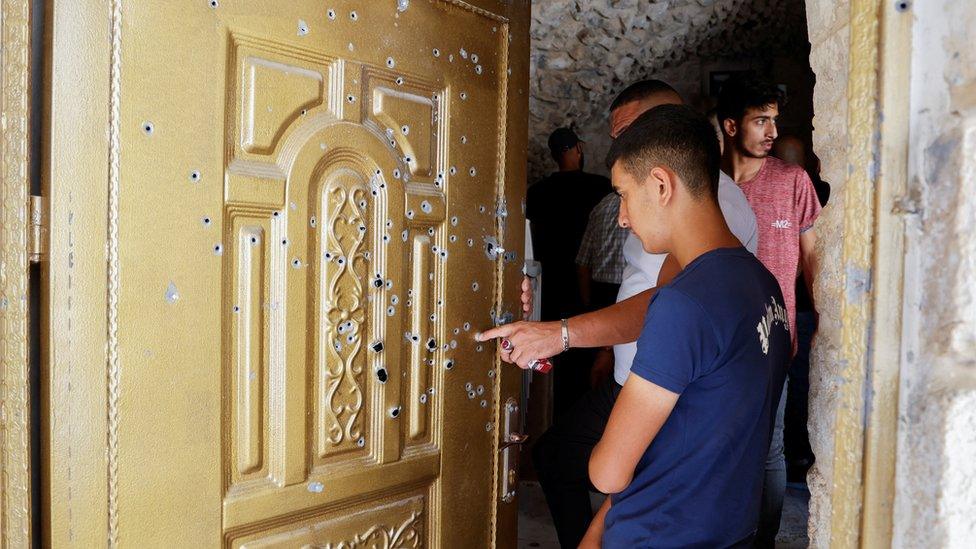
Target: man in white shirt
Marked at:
561, 455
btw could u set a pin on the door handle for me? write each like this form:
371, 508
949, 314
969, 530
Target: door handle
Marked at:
510, 447
513, 439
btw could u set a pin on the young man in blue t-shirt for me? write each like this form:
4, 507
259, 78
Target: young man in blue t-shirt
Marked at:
684, 449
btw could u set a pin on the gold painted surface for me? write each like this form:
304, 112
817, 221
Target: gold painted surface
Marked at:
15, 495
74, 306
881, 436
858, 272
283, 188
511, 227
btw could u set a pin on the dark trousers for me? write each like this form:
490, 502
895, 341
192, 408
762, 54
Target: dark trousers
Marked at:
796, 439
571, 379
774, 484
602, 294
561, 458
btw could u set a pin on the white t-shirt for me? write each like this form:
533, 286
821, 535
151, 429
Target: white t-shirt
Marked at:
642, 268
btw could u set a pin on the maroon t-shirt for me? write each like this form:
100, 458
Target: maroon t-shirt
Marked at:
785, 203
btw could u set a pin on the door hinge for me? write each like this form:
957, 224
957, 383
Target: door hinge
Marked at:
38, 242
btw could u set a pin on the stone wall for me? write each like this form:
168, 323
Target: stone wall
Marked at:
828, 27
935, 503
585, 51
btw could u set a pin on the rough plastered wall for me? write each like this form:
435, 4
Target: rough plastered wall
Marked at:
585, 51
828, 27
935, 502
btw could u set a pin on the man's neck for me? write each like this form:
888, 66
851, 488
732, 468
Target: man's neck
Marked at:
703, 229
739, 167
569, 167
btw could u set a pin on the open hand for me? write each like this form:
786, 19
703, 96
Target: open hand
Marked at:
529, 341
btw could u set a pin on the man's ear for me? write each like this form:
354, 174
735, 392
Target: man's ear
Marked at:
730, 127
661, 184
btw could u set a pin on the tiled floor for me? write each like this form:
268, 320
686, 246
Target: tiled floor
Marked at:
536, 531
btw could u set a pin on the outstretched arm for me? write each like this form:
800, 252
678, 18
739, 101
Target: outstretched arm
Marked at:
618, 323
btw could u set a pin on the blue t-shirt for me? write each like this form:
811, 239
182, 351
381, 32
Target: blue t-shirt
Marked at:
717, 335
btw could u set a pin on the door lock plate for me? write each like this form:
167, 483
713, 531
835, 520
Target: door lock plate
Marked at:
510, 447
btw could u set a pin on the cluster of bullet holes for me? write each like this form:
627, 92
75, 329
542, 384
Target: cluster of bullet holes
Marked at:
195, 176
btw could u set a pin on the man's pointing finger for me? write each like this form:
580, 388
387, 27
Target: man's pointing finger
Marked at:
500, 331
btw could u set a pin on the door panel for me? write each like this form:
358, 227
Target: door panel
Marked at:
305, 195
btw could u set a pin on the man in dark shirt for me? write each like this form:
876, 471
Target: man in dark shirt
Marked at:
684, 450
559, 207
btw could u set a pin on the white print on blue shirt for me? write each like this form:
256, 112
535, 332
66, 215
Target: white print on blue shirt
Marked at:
774, 313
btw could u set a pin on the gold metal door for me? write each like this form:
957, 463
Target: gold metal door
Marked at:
276, 227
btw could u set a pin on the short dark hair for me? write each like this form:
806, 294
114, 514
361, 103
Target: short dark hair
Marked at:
743, 92
639, 91
676, 136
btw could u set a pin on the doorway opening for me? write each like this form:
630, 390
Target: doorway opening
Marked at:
581, 57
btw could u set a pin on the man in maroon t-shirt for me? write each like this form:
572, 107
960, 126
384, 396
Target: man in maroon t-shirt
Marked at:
786, 206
